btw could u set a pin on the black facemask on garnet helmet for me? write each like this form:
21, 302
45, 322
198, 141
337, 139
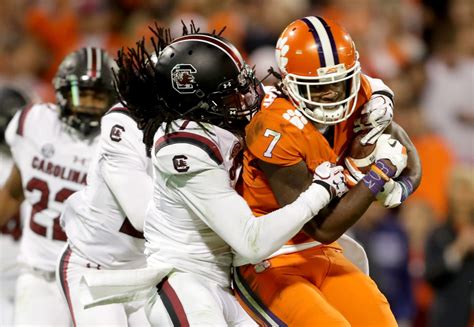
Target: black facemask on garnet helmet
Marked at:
84, 88
204, 78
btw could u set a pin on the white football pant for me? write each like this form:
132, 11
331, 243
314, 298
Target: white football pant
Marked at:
70, 269
9, 271
186, 299
38, 301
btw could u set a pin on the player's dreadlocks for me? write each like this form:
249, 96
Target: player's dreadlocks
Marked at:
138, 86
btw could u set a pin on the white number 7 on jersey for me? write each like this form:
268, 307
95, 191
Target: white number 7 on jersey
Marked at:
276, 136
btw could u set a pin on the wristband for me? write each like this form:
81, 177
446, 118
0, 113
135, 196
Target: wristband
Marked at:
407, 187
389, 172
377, 176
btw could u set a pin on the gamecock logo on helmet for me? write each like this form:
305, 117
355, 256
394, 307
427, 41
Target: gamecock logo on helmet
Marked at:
182, 78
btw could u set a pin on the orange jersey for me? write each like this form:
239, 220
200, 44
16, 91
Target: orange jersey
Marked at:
279, 134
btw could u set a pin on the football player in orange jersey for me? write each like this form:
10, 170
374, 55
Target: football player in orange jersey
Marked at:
324, 100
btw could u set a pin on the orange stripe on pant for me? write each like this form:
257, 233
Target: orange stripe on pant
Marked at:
314, 287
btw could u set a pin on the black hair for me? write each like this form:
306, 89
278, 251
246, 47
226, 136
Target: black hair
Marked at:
137, 86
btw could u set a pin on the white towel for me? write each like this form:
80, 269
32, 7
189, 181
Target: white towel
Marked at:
99, 287
354, 252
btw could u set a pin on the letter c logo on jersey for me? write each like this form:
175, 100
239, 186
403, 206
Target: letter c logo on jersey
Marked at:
116, 133
182, 78
180, 164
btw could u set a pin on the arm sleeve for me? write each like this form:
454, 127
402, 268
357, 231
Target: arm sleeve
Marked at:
209, 195
124, 166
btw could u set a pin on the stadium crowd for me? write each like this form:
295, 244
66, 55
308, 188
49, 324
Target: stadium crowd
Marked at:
420, 253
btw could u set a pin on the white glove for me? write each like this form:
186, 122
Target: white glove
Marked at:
391, 196
395, 192
332, 178
392, 150
376, 115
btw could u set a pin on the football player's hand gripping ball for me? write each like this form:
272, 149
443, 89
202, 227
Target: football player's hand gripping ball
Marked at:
376, 115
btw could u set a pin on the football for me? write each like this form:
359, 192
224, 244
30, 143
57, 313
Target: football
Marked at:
362, 155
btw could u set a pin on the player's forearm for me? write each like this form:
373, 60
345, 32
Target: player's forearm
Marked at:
329, 226
227, 213
353, 205
413, 170
264, 235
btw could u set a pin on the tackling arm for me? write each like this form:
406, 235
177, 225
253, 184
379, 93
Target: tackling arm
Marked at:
11, 196
209, 195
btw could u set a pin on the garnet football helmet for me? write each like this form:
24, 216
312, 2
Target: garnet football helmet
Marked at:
11, 100
204, 78
87, 71
320, 69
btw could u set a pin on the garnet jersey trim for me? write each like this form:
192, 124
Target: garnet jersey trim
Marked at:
183, 137
22, 119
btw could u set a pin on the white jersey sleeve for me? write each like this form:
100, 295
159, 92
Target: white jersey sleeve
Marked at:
205, 188
124, 165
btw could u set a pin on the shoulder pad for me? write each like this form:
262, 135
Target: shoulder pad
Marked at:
26, 122
280, 133
120, 109
119, 115
120, 133
379, 87
186, 153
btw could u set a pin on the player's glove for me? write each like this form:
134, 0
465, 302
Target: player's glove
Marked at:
332, 178
395, 192
391, 149
376, 115
353, 174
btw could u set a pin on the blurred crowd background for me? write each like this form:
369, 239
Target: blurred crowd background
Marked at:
421, 255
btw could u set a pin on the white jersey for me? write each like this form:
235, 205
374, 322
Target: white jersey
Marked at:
174, 233
53, 161
196, 216
96, 219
